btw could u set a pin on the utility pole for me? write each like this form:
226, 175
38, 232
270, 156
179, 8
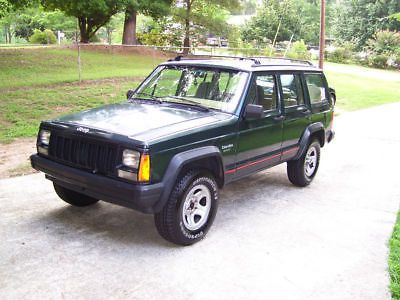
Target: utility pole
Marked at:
322, 35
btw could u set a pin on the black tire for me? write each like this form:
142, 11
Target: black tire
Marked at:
72, 197
303, 170
174, 224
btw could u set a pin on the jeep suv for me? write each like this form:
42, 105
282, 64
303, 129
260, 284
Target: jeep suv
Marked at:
192, 126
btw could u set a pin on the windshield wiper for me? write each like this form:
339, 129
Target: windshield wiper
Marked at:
187, 102
152, 97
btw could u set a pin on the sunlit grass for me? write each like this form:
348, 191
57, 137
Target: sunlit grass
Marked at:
38, 84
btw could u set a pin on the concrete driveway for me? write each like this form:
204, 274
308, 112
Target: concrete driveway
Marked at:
270, 240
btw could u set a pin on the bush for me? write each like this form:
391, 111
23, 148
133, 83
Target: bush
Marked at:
384, 41
298, 50
155, 39
94, 39
43, 37
378, 60
343, 53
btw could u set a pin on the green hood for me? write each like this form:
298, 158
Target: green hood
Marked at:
144, 122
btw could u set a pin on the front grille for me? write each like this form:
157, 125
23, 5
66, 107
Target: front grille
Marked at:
82, 153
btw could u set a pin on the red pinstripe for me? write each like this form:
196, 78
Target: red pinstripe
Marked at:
261, 160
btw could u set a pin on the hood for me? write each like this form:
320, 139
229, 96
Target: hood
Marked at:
145, 122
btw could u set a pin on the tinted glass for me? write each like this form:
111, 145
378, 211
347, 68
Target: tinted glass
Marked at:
316, 88
214, 88
262, 92
292, 91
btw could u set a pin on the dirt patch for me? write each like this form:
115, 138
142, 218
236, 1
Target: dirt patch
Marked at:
14, 157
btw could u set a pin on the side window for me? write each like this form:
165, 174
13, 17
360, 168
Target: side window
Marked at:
316, 88
263, 92
291, 89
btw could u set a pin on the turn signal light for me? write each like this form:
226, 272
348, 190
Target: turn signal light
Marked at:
144, 168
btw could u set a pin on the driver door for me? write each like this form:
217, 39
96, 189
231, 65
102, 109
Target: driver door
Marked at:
259, 140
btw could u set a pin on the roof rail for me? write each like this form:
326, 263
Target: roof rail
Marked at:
199, 56
256, 59
300, 61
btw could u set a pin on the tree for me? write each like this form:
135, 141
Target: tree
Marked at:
208, 14
273, 15
9, 10
5, 8
151, 8
91, 14
358, 20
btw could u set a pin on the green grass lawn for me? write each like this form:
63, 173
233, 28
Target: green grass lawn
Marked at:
22, 109
40, 83
394, 261
359, 87
44, 66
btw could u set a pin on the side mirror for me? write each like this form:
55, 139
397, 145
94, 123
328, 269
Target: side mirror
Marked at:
254, 111
129, 94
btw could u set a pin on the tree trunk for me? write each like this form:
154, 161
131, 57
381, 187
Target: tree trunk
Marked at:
186, 40
9, 35
6, 34
129, 35
84, 30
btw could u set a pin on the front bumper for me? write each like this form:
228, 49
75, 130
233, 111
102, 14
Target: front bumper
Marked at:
139, 197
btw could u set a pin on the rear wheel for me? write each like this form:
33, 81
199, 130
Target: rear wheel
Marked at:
303, 170
190, 210
72, 197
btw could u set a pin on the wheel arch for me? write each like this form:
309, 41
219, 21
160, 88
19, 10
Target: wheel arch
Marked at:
313, 131
207, 158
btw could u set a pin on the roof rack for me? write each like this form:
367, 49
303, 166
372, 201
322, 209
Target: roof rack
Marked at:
299, 61
257, 60
200, 56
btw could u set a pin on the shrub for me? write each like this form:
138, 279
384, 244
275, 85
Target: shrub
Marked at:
378, 60
343, 53
94, 39
298, 50
156, 39
384, 41
43, 37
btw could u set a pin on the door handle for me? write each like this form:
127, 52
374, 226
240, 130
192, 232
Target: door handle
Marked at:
304, 111
279, 118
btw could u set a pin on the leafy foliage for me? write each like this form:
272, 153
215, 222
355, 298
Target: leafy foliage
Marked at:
384, 41
5, 8
299, 51
43, 37
270, 16
155, 9
358, 20
342, 53
152, 38
91, 14
202, 15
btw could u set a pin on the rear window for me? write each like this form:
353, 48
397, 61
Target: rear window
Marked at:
316, 88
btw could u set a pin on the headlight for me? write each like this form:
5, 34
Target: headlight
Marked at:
44, 137
130, 158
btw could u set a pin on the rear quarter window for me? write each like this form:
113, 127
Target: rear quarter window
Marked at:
316, 88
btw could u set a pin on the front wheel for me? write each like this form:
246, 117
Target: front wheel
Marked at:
190, 210
303, 170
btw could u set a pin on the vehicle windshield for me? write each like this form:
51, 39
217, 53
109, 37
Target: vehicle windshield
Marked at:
211, 88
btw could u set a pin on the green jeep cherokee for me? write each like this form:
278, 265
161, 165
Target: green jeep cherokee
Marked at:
190, 128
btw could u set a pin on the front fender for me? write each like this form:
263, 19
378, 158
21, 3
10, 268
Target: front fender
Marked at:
176, 165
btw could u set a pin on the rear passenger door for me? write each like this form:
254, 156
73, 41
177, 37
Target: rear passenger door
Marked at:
259, 140
295, 110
